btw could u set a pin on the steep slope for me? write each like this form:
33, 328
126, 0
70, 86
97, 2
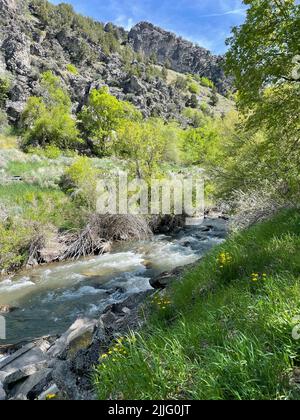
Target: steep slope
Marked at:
36, 36
181, 55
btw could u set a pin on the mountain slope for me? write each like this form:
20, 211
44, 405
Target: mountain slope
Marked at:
181, 55
36, 36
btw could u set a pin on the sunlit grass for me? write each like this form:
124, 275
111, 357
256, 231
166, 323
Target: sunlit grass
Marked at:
223, 336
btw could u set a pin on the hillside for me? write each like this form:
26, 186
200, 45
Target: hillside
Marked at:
36, 36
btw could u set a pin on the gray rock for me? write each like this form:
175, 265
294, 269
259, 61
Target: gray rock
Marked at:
165, 279
33, 386
181, 55
79, 336
11, 376
3, 395
28, 355
52, 390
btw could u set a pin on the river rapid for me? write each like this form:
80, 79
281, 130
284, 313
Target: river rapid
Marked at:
48, 299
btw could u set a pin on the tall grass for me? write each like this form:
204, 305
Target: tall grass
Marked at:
227, 333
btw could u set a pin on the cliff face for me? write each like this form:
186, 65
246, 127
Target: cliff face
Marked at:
181, 55
36, 36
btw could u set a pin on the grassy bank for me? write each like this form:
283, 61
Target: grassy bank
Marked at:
225, 331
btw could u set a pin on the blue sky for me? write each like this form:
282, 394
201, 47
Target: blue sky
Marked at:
206, 22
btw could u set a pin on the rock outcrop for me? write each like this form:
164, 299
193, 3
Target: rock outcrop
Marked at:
30, 45
180, 55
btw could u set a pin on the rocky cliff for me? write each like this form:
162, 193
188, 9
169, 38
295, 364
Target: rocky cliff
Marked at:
180, 55
36, 36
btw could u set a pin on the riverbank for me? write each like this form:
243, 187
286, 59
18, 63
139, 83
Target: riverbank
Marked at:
121, 300
228, 330
223, 328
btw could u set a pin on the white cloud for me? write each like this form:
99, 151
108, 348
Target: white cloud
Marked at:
124, 21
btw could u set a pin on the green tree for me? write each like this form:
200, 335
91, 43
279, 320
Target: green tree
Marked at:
262, 59
143, 144
47, 119
100, 119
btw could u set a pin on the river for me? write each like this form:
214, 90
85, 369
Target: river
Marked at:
49, 298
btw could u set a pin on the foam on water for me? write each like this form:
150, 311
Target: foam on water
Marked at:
49, 298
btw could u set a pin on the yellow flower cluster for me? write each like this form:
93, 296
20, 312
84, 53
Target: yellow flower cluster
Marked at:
50, 397
224, 259
161, 302
118, 349
255, 277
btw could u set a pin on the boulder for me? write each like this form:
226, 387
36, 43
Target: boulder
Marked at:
166, 278
32, 387
30, 354
79, 336
14, 375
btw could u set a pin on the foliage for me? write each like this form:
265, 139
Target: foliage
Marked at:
193, 102
206, 82
4, 89
181, 83
80, 180
14, 242
214, 99
219, 337
72, 69
194, 88
47, 120
143, 144
199, 144
102, 117
195, 116
262, 61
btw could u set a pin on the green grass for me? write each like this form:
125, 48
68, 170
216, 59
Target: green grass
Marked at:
224, 336
15, 168
42, 205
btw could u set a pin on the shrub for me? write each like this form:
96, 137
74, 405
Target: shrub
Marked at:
194, 88
4, 89
206, 82
181, 83
80, 180
72, 69
193, 102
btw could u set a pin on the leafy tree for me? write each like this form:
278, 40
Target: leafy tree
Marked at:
143, 143
195, 117
199, 143
262, 50
47, 119
102, 117
262, 61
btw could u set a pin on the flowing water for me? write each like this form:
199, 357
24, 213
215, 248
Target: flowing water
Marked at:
49, 298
